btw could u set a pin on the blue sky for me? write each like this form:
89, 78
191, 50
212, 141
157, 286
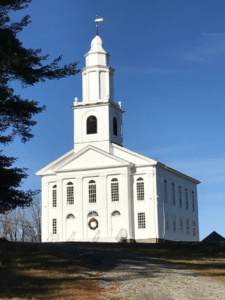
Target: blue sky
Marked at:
169, 61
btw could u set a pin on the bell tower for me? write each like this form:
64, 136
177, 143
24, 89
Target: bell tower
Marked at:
97, 119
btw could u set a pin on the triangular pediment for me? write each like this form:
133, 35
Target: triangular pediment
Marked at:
91, 158
131, 156
88, 158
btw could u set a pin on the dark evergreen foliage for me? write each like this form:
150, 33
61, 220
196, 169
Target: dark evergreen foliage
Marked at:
26, 66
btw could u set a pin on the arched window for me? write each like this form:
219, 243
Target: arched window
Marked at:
173, 193
114, 189
70, 217
92, 214
115, 126
140, 189
193, 201
54, 196
92, 191
180, 196
115, 213
186, 196
70, 193
91, 125
165, 191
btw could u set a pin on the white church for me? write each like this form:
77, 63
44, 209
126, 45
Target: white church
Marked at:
101, 191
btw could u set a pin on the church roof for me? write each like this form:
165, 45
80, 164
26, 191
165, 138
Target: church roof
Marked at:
213, 237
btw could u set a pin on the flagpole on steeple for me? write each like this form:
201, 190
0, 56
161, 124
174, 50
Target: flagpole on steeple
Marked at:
97, 26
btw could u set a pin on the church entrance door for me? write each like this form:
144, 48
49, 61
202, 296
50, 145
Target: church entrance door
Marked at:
70, 227
92, 232
116, 223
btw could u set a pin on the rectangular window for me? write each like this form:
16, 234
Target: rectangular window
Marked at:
54, 197
165, 191
181, 225
167, 221
173, 194
115, 191
174, 223
194, 229
140, 191
180, 196
92, 193
186, 195
187, 226
70, 195
141, 220
193, 201
54, 226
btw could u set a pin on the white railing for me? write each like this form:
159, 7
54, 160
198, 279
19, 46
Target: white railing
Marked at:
122, 235
52, 237
72, 237
96, 237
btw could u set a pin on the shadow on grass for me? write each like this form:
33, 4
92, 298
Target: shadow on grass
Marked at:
29, 272
53, 270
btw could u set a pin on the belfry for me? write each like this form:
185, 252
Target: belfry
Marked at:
101, 191
97, 119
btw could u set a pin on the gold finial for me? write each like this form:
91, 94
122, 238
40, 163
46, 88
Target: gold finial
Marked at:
98, 20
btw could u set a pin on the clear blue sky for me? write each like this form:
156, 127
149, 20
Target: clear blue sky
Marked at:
169, 58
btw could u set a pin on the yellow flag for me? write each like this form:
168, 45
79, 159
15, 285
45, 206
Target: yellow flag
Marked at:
99, 20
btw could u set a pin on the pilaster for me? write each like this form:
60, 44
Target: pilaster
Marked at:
44, 212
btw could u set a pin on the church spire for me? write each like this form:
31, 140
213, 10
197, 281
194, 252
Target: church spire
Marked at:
97, 26
97, 75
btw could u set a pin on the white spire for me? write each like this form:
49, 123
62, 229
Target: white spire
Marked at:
97, 75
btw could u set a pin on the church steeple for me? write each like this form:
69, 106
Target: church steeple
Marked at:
97, 119
97, 75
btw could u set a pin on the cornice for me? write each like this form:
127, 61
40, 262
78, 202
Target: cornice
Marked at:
98, 67
97, 104
178, 173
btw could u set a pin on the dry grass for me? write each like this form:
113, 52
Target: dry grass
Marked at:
206, 259
28, 272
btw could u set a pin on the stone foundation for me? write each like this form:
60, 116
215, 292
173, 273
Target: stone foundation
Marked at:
150, 240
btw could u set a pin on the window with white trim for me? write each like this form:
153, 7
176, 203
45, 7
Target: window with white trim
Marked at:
141, 220
180, 196
54, 226
54, 196
186, 198
140, 189
173, 194
174, 223
92, 191
114, 189
165, 191
187, 226
181, 225
70, 193
167, 222
193, 201
194, 229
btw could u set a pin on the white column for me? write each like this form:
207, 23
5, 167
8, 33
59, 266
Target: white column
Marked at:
155, 203
60, 218
104, 217
80, 218
125, 192
44, 212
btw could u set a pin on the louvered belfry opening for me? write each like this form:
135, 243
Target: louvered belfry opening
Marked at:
115, 126
91, 125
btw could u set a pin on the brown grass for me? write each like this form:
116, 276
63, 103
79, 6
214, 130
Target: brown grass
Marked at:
206, 259
28, 272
